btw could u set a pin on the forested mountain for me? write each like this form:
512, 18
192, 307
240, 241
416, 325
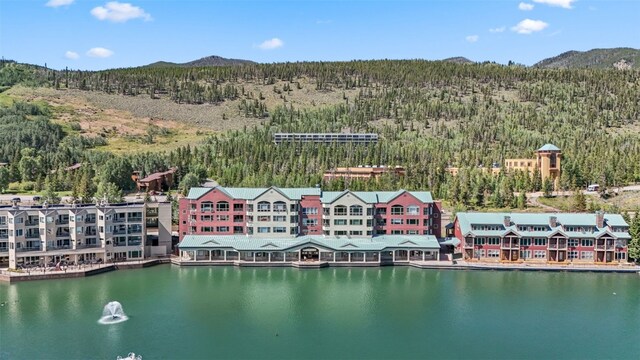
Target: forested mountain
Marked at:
212, 60
429, 115
596, 58
459, 60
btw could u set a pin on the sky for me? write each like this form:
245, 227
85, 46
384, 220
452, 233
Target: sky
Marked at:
94, 35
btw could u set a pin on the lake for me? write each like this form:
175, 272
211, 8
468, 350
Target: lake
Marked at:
338, 313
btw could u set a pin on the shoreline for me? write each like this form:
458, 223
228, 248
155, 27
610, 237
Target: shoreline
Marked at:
14, 277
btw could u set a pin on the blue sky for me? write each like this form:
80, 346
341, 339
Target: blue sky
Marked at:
87, 34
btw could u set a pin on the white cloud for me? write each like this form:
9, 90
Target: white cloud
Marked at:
528, 26
472, 38
525, 6
271, 44
99, 52
119, 12
71, 55
498, 30
559, 3
56, 3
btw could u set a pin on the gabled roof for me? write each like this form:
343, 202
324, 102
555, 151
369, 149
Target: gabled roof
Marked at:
197, 192
252, 193
467, 219
549, 147
336, 243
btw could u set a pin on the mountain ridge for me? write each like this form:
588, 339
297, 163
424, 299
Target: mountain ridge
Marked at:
212, 60
611, 58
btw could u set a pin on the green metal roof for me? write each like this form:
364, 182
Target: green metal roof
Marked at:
467, 219
549, 147
338, 243
197, 192
375, 197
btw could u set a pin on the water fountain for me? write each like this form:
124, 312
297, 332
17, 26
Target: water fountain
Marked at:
131, 356
113, 314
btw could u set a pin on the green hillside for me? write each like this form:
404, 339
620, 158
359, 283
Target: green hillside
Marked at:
596, 58
428, 114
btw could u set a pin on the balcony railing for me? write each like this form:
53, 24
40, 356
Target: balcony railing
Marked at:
58, 247
32, 236
119, 219
26, 249
31, 223
90, 220
4, 249
135, 219
119, 231
87, 246
62, 222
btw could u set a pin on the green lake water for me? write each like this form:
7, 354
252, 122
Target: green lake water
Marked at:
284, 313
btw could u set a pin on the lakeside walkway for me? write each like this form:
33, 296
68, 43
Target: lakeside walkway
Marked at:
74, 271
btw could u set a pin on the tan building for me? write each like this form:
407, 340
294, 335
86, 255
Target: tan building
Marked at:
547, 161
363, 172
83, 233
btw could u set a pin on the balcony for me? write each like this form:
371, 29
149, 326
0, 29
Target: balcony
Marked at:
59, 247
62, 222
62, 234
27, 249
152, 223
91, 232
135, 219
32, 235
4, 249
91, 220
87, 246
29, 223
119, 231
119, 219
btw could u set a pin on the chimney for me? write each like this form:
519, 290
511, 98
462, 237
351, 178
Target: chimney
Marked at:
600, 219
507, 221
553, 221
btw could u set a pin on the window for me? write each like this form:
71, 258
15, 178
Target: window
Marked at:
397, 232
204, 206
222, 229
586, 242
397, 210
493, 241
572, 255
356, 222
340, 210
206, 229
309, 222
264, 206
586, 255
479, 241
381, 211
238, 218
238, 207
480, 253
238, 229
340, 222
264, 218
280, 229
135, 254
621, 256
280, 218
397, 221
355, 210
279, 206
264, 230
18, 232
540, 254
573, 242
493, 253
540, 242
206, 218
413, 232
310, 211
222, 206
222, 217
355, 233
340, 232
413, 210
413, 221
525, 242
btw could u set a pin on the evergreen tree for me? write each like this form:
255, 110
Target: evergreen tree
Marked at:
634, 243
4, 179
547, 188
579, 201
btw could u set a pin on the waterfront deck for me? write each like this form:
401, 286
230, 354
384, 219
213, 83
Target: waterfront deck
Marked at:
74, 271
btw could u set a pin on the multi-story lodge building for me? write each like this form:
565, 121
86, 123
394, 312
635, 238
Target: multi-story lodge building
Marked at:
83, 233
547, 162
541, 237
308, 222
326, 138
363, 172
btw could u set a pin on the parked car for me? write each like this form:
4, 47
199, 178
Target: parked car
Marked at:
593, 187
37, 198
16, 199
